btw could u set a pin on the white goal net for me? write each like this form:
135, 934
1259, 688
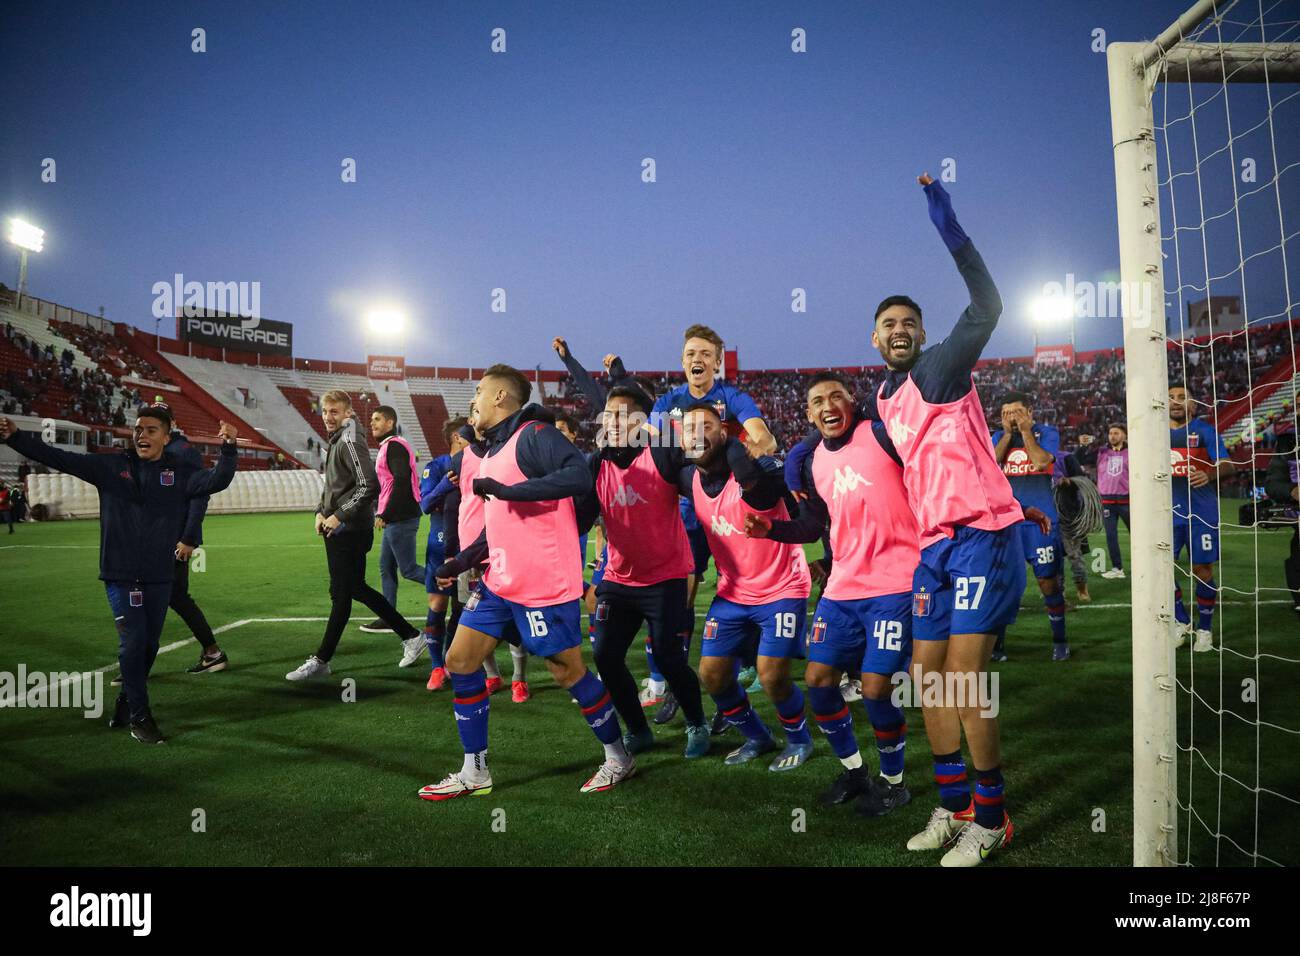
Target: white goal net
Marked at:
1206, 125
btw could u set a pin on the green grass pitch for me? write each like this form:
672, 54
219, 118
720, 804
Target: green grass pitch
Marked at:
289, 774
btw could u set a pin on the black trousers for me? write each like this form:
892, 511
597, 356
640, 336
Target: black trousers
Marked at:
620, 611
1111, 515
1292, 567
183, 603
345, 552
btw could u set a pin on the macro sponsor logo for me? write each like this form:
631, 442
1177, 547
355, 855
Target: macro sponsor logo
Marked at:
1018, 465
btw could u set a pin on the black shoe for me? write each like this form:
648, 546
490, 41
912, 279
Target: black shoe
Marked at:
719, 724
121, 714
881, 797
116, 681
999, 657
376, 627
667, 710
146, 731
849, 784
207, 664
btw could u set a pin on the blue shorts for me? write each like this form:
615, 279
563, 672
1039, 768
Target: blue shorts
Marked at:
1200, 538
434, 555
779, 624
700, 552
542, 631
873, 635
1043, 551
970, 583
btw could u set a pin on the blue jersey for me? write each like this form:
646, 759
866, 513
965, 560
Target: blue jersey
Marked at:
734, 407
433, 473
1031, 486
1197, 441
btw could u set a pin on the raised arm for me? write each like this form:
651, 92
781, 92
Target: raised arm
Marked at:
589, 387
219, 476
95, 469
963, 347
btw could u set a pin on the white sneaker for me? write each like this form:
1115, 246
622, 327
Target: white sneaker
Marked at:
850, 690
1204, 642
1181, 633
1114, 574
454, 785
313, 668
412, 648
944, 827
976, 843
608, 774
649, 698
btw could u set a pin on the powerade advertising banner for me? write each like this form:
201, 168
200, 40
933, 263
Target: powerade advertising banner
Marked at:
232, 332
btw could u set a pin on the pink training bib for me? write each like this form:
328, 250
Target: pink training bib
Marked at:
386, 474
751, 571
647, 541
469, 519
531, 544
874, 537
952, 478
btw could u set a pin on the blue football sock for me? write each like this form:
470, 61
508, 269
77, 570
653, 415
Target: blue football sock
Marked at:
1056, 615
1207, 596
1180, 609
950, 776
890, 727
434, 636
593, 698
735, 707
655, 676
471, 703
793, 723
989, 811
834, 719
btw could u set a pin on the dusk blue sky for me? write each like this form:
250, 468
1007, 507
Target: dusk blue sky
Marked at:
522, 170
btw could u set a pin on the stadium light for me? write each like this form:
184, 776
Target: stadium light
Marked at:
1050, 309
27, 238
386, 322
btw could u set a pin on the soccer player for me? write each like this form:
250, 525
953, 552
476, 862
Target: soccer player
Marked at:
1200, 460
528, 478
1112, 483
433, 496
144, 496
397, 513
854, 481
468, 509
972, 571
762, 586
211, 658
345, 519
644, 577
6, 510
1026, 450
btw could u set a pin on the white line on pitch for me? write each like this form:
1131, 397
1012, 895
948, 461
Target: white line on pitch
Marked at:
178, 644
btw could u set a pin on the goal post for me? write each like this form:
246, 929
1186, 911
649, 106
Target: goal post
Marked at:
1134, 70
